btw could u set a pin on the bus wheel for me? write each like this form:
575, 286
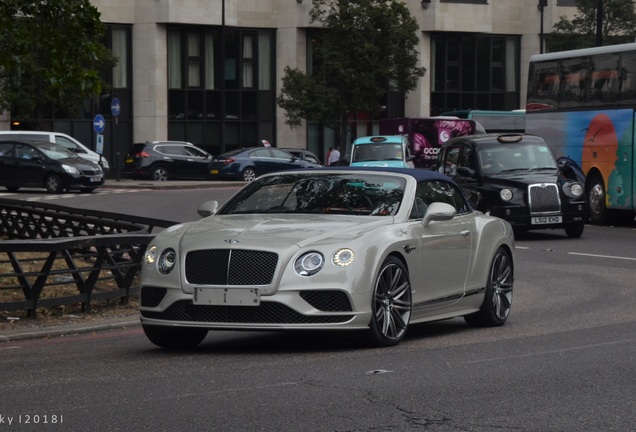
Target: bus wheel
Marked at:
596, 201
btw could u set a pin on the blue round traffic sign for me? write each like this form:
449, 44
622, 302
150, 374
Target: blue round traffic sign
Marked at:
115, 107
99, 124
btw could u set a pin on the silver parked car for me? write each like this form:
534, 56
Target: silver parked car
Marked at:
373, 249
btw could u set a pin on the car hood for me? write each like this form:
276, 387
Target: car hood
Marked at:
522, 178
265, 231
80, 163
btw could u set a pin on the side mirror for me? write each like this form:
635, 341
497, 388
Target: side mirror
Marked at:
438, 211
208, 208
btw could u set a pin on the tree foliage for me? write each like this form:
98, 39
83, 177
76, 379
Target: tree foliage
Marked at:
618, 25
366, 48
52, 56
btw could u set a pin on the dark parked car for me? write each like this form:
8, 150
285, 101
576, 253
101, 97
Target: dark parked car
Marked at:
516, 177
249, 163
303, 154
167, 160
47, 165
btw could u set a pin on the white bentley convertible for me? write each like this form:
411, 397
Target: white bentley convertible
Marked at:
332, 249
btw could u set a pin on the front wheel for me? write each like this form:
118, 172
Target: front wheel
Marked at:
12, 188
575, 230
53, 183
498, 299
391, 304
175, 337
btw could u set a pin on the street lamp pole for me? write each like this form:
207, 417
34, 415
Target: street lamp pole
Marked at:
222, 101
599, 22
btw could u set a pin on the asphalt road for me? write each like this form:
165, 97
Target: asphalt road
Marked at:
565, 361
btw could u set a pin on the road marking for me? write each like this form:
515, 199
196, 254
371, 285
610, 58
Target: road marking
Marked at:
602, 256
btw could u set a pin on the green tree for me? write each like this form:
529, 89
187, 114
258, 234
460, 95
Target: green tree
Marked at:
366, 48
52, 56
618, 25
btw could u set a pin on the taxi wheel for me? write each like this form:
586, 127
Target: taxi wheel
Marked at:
575, 230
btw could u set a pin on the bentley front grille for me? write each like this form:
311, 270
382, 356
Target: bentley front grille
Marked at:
265, 313
544, 198
230, 267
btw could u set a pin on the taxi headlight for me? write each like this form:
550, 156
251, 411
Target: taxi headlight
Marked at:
573, 189
309, 263
505, 194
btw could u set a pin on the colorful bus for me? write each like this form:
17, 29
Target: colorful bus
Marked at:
582, 103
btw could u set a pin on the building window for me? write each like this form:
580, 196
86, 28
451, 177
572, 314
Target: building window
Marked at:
174, 60
474, 71
120, 52
194, 61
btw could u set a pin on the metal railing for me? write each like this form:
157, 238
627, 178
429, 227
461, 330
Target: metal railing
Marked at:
89, 255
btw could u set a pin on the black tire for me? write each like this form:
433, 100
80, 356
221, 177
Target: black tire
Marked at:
53, 183
575, 230
175, 337
12, 188
495, 309
391, 304
596, 197
160, 173
249, 174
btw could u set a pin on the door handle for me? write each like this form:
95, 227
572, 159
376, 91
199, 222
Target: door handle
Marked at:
465, 233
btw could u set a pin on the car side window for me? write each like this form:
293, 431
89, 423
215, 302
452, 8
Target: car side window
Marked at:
6, 150
24, 152
280, 154
432, 191
449, 164
193, 151
260, 153
65, 142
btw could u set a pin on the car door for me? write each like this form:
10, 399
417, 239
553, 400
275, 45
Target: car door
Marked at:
440, 265
460, 164
8, 168
198, 162
285, 161
30, 164
176, 159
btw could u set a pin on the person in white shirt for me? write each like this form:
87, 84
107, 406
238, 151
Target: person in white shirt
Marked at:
334, 156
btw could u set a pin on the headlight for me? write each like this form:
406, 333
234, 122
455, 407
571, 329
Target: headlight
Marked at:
309, 263
505, 194
151, 255
573, 189
71, 170
167, 261
343, 257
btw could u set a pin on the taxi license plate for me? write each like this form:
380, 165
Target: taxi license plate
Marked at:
543, 220
95, 179
214, 171
129, 160
226, 297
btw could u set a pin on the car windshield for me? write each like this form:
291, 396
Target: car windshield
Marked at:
320, 193
516, 157
57, 152
377, 152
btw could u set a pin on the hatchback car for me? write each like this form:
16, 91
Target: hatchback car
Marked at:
42, 164
248, 163
382, 151
344, 248
59, 138
516, 177
167, 160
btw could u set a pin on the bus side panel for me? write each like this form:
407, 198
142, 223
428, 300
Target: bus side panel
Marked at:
598, 141
427, 135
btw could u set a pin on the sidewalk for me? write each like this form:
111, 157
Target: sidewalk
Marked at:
39, 331
170, 184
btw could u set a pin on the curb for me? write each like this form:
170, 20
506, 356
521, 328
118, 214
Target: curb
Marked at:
67, 330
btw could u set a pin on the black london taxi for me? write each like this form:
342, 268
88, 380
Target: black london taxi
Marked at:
517, 178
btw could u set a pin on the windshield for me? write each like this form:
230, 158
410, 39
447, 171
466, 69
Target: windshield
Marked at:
377, 152
359, 194
57, 152
504, 158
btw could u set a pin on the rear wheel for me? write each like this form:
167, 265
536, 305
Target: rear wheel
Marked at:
175, 337
12, 188
498, 299
391, 304
53, 183
249, 174
596, 197
160, 174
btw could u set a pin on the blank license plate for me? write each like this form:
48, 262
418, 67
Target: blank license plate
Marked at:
542, 220
227, 297
96, 179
